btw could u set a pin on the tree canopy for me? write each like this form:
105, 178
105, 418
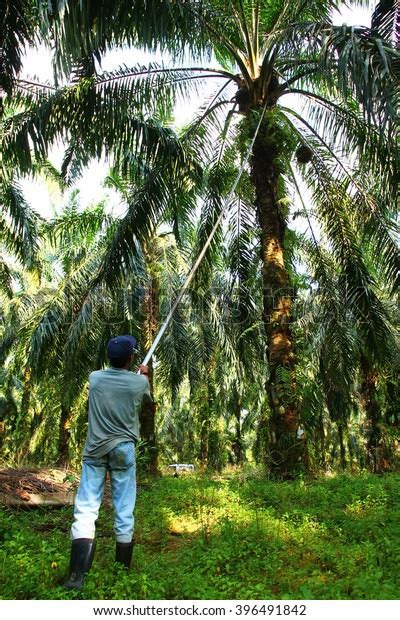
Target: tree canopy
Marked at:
285, 346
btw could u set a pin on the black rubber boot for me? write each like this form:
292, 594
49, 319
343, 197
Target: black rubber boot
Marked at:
82, 552
123, 553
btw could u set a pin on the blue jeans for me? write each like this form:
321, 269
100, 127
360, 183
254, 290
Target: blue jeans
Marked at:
120, 462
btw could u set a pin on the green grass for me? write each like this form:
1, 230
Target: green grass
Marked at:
230, 537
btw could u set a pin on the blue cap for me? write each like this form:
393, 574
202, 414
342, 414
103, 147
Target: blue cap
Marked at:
121, 346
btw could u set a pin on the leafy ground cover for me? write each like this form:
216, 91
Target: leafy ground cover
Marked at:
234, 536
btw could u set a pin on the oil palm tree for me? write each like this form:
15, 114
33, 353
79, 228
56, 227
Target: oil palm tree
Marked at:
341, 358
340, 142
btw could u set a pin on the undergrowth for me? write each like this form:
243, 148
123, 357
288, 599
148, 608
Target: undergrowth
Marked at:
228, 537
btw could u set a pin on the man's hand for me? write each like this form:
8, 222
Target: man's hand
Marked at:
143, 370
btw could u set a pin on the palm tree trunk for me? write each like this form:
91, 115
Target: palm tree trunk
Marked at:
238, 443
148, 431
322, 442
374, 416
392, 412
64, 436
147, 415
205, 421
343, 462
204, 436
286, 452
22, 421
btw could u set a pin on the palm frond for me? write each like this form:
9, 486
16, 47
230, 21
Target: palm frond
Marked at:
370, 206
385, 21
19, 22
80, 29
95, 119
359, 64
332, 201
347, 132
5, 279
18, 224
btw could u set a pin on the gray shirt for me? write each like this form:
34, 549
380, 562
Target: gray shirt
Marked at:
115, 399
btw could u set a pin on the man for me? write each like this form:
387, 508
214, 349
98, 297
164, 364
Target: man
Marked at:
116, 396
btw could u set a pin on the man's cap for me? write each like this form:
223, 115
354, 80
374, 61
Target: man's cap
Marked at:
121, 346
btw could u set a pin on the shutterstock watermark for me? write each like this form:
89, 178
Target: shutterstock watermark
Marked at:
227, 305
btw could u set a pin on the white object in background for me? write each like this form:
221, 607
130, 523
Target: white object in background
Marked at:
181, 467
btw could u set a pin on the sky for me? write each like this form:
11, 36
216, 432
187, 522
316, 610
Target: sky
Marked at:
37, 63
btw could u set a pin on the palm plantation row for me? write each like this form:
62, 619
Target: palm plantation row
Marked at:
286, 342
